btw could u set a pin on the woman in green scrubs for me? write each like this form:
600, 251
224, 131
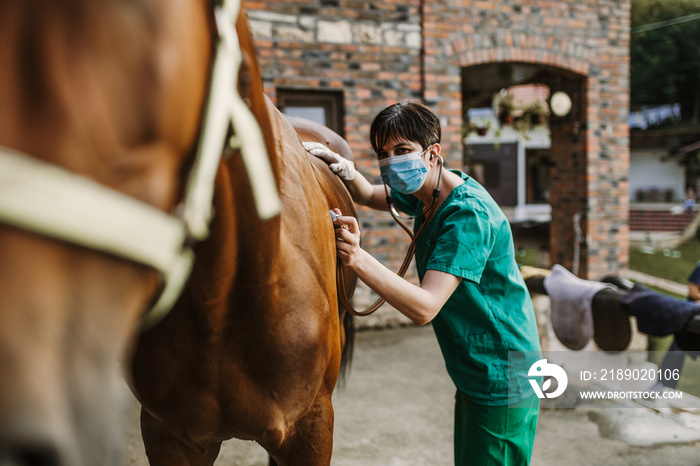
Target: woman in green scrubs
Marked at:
470, 287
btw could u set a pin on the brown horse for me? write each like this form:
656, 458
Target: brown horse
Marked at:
252, 349
113, 91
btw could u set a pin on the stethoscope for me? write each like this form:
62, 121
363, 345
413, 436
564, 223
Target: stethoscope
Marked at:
427, 214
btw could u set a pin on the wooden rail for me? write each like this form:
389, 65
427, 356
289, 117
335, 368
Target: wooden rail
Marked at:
608, 299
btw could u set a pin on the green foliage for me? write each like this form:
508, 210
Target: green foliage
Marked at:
471, 127
690, 375
523, 118
536, 108
665, 62
677, 269
506, 106
527, 256
666, 266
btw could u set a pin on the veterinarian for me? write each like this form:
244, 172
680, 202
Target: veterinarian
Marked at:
470, 287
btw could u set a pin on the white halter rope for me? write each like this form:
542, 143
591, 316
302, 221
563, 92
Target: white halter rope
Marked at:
48, 200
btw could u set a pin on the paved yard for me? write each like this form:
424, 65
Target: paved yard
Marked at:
396, 410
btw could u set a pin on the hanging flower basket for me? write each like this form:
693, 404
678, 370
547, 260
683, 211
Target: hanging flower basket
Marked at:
538, 111
472, 127
506, 109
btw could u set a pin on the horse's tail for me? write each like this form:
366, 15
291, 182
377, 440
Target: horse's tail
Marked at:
348, 328
346, 283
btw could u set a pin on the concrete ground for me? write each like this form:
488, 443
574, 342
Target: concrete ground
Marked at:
396, 410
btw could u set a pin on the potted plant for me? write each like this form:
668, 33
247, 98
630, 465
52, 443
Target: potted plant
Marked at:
523, 125
472, 127
506, 109
537, 110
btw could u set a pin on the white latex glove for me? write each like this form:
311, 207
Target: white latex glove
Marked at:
338, 164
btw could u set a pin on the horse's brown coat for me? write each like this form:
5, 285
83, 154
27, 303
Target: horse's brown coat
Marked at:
95, 87
252, 349
113, 90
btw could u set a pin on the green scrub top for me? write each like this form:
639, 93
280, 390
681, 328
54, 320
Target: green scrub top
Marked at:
486, 330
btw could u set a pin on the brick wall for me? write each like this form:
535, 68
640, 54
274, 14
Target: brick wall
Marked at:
380, 52
588, 43
372, 52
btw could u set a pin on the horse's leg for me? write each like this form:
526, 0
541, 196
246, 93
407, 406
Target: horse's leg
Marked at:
310, 441
163, 449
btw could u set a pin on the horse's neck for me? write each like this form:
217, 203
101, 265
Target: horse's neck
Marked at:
252, 246
54, 66
259, 240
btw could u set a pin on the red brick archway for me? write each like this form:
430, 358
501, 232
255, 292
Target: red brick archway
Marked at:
589, 44
568, 192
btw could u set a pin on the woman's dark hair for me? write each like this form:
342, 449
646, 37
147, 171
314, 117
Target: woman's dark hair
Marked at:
409, 120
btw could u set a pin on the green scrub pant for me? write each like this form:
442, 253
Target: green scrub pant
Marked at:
494, 435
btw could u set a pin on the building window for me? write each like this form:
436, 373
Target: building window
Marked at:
537, 177
324, 107
495, 167
487, 173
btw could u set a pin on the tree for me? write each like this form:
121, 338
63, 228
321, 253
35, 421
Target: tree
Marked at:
665, 59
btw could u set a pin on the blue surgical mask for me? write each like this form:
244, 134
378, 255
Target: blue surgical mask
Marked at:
404, 173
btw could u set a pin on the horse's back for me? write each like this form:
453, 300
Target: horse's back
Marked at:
311, 131
334, 190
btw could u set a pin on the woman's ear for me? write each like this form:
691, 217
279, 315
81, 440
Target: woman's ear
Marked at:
434, 153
